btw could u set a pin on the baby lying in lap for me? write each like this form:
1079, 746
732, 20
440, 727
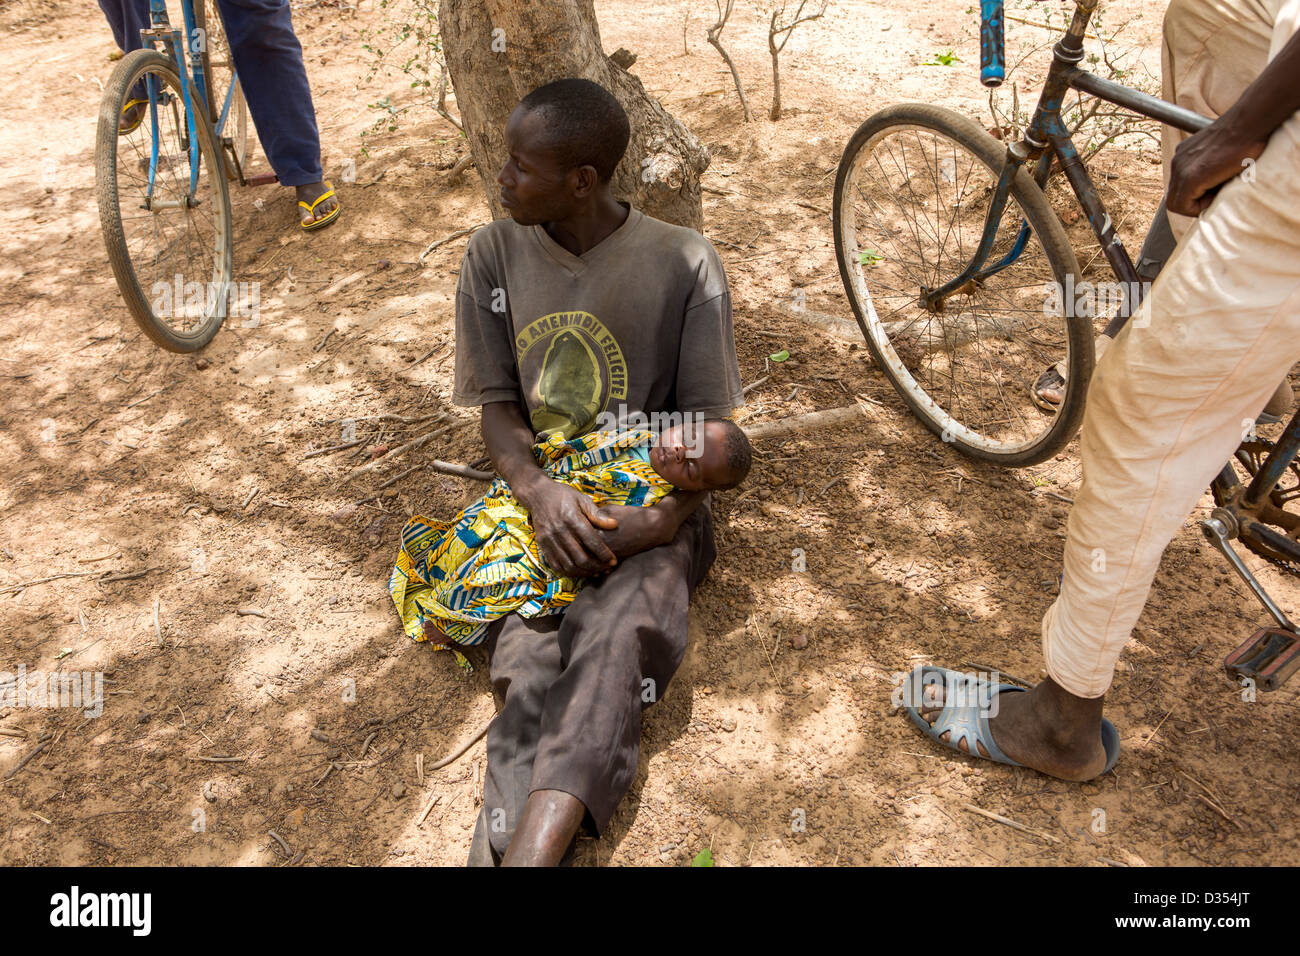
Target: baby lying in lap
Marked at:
453, 578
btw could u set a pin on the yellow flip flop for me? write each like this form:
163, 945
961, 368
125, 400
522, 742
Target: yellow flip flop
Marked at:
122, 131
321, 223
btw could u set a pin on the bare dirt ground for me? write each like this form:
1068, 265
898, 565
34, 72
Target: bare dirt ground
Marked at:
913, 553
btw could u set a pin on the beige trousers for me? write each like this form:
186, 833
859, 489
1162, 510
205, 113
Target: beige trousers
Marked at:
1172, 397
1212, 51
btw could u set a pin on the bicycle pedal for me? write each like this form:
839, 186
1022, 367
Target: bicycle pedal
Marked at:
1269, 658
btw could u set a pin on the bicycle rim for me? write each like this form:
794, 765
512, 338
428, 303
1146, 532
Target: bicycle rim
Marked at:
170, 248
910, 203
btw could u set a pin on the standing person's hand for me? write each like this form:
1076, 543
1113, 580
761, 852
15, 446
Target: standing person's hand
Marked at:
1205, 161
1208, 159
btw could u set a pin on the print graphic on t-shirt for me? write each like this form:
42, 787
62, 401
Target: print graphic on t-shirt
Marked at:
570, 368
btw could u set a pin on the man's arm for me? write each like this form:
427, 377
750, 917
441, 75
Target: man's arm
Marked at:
708, 386
565, 521
1206, 160
640, 529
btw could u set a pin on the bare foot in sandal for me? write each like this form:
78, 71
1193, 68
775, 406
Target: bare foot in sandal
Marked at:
1049, 390
1046, 728
316, 204
131, 117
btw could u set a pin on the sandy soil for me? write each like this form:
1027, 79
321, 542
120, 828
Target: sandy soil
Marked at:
781, 713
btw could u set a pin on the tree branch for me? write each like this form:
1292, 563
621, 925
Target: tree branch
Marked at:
714, 37
774, 30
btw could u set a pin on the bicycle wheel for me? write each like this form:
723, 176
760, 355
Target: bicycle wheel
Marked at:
219, 76
911, 195
169, 246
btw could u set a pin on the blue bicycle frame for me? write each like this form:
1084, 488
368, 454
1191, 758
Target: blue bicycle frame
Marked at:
162, 31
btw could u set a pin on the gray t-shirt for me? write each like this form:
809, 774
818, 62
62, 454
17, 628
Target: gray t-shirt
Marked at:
640, 324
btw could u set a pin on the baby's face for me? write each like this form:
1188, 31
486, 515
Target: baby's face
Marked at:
692, 457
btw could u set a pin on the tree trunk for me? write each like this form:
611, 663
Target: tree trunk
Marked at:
498, 51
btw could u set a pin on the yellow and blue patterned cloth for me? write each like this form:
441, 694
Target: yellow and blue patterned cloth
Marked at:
484, 563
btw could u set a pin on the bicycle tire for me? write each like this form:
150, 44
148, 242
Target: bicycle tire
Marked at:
1046, 228
218, 74
130, 70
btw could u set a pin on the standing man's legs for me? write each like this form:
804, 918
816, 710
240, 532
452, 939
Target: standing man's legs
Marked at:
268, 58
1193, 373
126, 18
1169, 403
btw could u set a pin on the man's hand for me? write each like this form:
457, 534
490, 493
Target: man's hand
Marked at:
640, 529
564, 519
1211, 157
636, 529
565, 523
1202, 163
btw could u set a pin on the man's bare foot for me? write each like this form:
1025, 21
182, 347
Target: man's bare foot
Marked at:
1050, 387
309, 194
1045, 728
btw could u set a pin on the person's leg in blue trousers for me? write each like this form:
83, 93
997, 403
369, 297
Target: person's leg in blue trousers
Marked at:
268, 58
126, 18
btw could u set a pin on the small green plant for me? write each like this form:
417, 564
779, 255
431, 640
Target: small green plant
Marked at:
703, 858
943, 59
407, 38
869, 257
389, 114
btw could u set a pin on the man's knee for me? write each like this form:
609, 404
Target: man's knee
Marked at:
523, 660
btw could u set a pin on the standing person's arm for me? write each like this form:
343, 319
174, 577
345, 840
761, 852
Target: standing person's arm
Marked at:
1208, 159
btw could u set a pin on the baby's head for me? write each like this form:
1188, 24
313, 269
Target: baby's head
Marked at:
708, 456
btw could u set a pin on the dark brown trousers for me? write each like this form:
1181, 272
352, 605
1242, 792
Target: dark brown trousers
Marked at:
571, 688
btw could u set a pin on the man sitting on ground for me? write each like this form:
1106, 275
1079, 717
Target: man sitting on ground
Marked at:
581, 306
